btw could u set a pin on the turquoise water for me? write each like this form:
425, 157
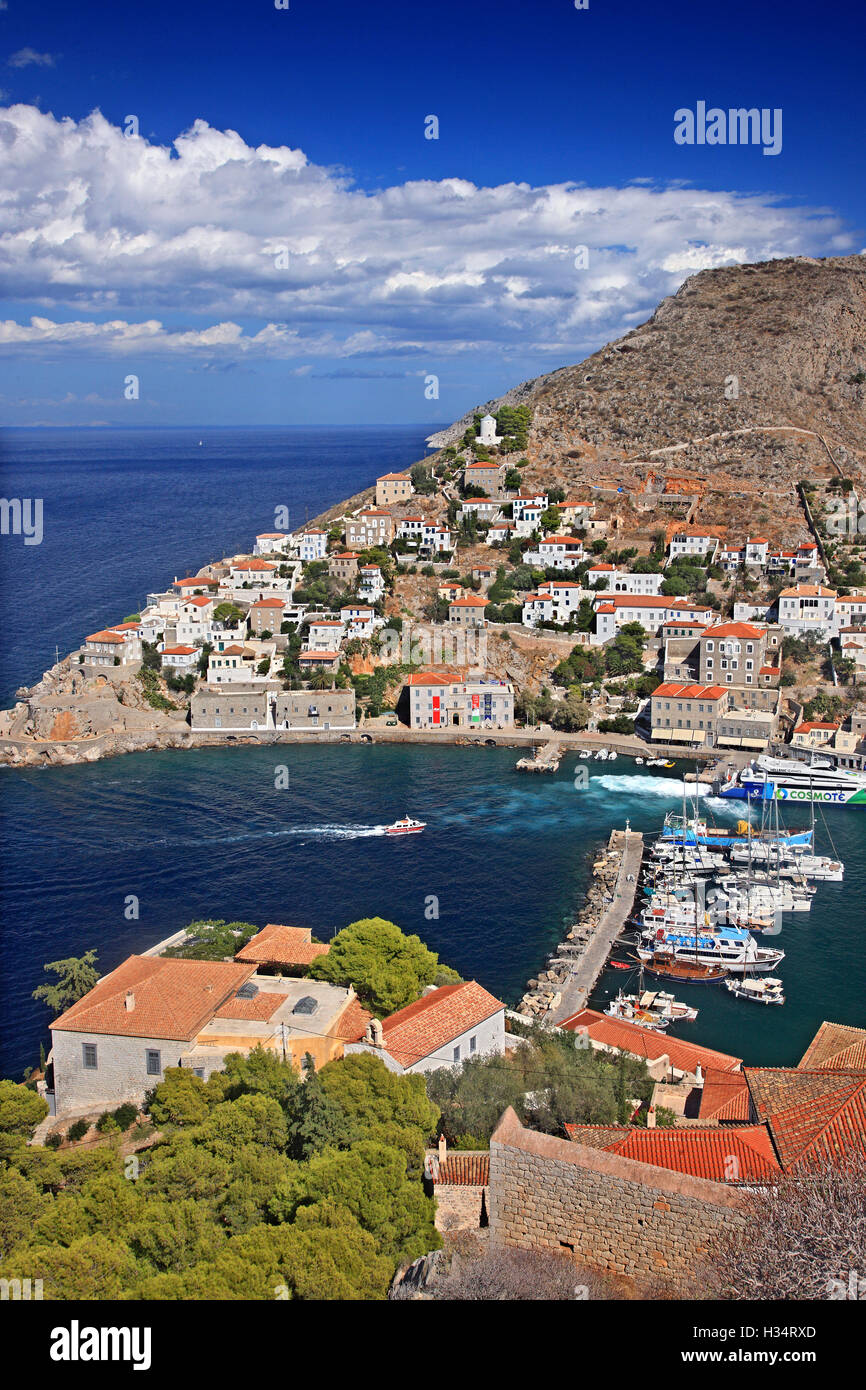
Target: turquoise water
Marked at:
491, 884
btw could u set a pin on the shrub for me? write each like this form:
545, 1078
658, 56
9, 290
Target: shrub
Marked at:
54, 1140
78, 1130
125, 1115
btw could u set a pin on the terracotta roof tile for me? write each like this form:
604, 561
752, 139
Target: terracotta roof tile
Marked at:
812, 1115
464, 1170
642, 1042
836, 1045
433, 1021
172, 998
352, 1023
719, 1155
276, 944
725, 1096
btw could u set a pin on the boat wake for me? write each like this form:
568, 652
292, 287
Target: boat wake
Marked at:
337, 832
643, 785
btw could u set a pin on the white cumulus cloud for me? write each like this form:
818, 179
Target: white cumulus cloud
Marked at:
259, 251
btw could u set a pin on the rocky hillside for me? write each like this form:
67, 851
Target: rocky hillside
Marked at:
771, 349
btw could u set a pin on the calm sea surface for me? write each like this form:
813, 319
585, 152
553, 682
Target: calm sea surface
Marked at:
490, 885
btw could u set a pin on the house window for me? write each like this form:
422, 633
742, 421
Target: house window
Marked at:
456, 1053
154, 1067
473, 1043
89, 1056
199, 1072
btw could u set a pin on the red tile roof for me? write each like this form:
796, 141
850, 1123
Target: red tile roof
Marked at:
178, 651
836, 1045
735, 630
811, 724
257, 1010
642, 1042
464, 1170
689, 692
813, 1116
171, 998
276, 944
107, 635
720, 1155
199, 600
352, 1023
432, 1022
470, 602
269, 603
260, 566
725, 1096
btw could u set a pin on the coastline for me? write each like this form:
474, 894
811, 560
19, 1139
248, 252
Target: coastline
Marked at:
58, 753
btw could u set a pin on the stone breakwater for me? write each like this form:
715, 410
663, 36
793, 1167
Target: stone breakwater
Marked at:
543, 996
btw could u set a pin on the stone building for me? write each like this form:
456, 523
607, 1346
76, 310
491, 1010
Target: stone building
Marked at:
460, 1183
155, 1012
393, 487
615, 1214
485, 474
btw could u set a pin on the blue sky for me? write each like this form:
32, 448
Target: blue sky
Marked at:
280, 243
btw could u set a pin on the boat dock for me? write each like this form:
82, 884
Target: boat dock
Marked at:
565, 986
545, 758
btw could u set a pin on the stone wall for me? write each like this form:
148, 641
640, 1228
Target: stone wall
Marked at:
459, 1206
615, 1214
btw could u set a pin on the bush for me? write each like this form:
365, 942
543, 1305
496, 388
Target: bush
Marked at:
54, 1140
77, 1131
125, 1115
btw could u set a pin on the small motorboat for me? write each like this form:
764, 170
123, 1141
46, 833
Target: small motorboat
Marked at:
406, 826
584, 755
620, 965
765, 991
639, 760
666, 762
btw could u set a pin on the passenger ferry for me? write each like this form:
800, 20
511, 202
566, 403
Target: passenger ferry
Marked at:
788, 779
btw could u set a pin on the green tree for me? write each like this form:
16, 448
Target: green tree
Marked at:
76, 976
371, 1183
180, 1098
387, 968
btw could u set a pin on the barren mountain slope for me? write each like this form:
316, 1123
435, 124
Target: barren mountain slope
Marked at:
792, 333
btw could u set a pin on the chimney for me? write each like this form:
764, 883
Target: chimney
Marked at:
699, 1075
651, 1117
129, 1001
443, 1148
376, 1035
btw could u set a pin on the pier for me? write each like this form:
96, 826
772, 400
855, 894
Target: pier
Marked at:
545, 758
565, 986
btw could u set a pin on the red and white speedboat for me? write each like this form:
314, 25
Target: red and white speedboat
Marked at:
406, 826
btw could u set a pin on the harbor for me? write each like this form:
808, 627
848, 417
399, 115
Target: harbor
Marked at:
689, 903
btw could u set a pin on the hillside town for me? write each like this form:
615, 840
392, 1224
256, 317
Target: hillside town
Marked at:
464, 594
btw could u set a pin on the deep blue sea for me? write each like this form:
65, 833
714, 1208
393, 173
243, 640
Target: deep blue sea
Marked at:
490, 885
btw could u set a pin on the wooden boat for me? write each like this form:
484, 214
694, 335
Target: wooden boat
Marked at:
663, 967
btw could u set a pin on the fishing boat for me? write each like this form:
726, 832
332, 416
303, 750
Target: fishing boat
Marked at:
406, 826
765, 991
626, 1007
619, 965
